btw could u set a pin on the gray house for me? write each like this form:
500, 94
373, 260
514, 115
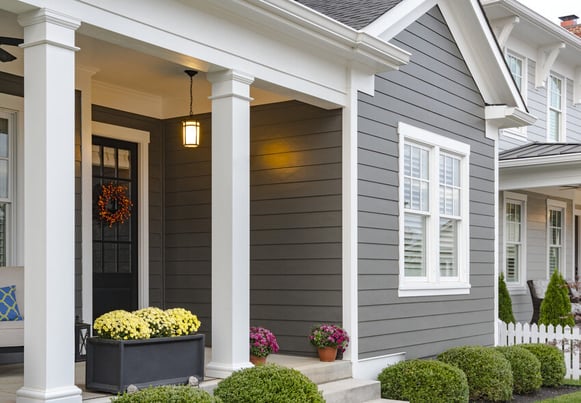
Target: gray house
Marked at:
345, 172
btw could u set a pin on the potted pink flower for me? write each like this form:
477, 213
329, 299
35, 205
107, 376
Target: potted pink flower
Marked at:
262, 343
329, 339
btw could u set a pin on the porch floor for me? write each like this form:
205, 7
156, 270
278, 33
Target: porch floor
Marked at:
11, 376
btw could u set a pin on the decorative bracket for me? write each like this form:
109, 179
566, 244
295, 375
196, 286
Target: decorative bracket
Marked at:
503, 27
577, 86
546, 56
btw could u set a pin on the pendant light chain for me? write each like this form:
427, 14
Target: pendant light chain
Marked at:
191, 95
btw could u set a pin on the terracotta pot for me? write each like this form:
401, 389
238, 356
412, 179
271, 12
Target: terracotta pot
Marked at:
327, 354
257, 360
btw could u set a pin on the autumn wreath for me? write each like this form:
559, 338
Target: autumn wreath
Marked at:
113, 205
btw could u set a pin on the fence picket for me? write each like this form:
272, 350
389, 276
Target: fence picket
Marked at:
567, 339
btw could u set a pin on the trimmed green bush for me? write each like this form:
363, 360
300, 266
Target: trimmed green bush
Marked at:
526, 369
268, 384
181, 394
504, 302
419, 381
553, 368
487, 371
556, 306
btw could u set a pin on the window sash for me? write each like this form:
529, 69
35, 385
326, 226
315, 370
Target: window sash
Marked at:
516, 67
513, 234
555, 115
415, 245
555, 241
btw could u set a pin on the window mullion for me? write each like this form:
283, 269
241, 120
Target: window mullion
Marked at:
433, 242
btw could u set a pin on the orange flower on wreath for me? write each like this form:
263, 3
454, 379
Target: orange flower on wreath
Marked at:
114, 195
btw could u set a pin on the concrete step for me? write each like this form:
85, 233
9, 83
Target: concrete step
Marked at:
315, 370
350, 391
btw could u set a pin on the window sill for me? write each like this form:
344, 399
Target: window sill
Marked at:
517, 289
431, 289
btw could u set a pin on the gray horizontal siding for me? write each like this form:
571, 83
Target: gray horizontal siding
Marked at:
435, 92
295, 220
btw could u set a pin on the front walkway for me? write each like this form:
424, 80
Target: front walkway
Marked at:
11, 375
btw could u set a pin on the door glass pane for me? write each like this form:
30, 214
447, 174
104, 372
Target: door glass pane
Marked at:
97, 160
97, 258
124, 163
109, 258
3, 141
3, 226
124, 263
109, 161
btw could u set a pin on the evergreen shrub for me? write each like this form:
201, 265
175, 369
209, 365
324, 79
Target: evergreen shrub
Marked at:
556, 306
552, 363
504, 302
526, 369
268, 383
487, 371
181, 394
419, 381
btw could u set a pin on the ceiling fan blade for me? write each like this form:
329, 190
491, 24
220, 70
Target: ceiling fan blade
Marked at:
6, 40
5, 56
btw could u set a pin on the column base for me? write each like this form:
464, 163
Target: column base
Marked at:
223, 370
68, 394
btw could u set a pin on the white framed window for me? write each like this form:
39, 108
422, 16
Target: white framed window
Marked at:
555, 236
433, 196
515, 213
7, 177
517, 65
556, 109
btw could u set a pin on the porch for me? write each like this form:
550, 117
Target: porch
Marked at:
334, 380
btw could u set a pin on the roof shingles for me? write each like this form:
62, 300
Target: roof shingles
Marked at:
355, 13
534, 150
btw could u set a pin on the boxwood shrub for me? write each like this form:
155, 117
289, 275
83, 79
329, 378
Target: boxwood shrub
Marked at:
488, 372
268, 384
552, 363
419, 381
182, 394
526, 369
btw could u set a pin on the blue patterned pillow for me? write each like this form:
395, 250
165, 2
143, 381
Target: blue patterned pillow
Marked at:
8, 306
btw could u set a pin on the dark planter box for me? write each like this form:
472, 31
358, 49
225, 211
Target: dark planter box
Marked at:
113, 365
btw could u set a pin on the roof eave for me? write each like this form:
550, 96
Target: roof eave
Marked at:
369, 52
544, 160
506, 117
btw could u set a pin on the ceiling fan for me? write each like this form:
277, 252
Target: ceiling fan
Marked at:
4, 55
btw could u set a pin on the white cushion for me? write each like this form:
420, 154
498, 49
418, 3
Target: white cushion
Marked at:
540, 287
576, 308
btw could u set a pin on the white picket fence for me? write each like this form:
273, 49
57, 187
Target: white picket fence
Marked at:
567, 339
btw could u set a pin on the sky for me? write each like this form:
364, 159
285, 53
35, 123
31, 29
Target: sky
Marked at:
553, 9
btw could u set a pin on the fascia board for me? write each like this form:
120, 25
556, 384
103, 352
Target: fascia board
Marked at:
547, 160
477, 44
360, 48
398, 18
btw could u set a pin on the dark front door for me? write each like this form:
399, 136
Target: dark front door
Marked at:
114, 242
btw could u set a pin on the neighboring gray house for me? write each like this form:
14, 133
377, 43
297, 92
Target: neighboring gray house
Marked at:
346, 172
540, 165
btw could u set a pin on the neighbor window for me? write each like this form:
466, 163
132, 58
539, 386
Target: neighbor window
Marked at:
7, 125
555, 235
517, 68
434, 201
555, 112
514, 238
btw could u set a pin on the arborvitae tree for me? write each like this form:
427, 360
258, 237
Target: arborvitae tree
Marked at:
556, 306
504, 302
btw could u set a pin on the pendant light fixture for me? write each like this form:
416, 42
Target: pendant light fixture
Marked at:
190, 126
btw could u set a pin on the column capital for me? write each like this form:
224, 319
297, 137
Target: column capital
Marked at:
45, 15
229, 75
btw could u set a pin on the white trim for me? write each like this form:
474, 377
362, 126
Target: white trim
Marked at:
522, 198
369, 368
503, 27
398, 18
432, 283
15, 245
491, 127
556, 205
350, 223
546, 56
544, 160
142, 139
577, 86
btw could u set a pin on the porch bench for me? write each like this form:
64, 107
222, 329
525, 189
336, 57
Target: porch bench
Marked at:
12, 332
537, 290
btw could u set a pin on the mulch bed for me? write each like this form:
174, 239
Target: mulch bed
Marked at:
546, 393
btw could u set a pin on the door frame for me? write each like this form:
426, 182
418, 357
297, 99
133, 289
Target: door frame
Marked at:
142, 138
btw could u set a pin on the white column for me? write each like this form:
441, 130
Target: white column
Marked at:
49, 114
230, 222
